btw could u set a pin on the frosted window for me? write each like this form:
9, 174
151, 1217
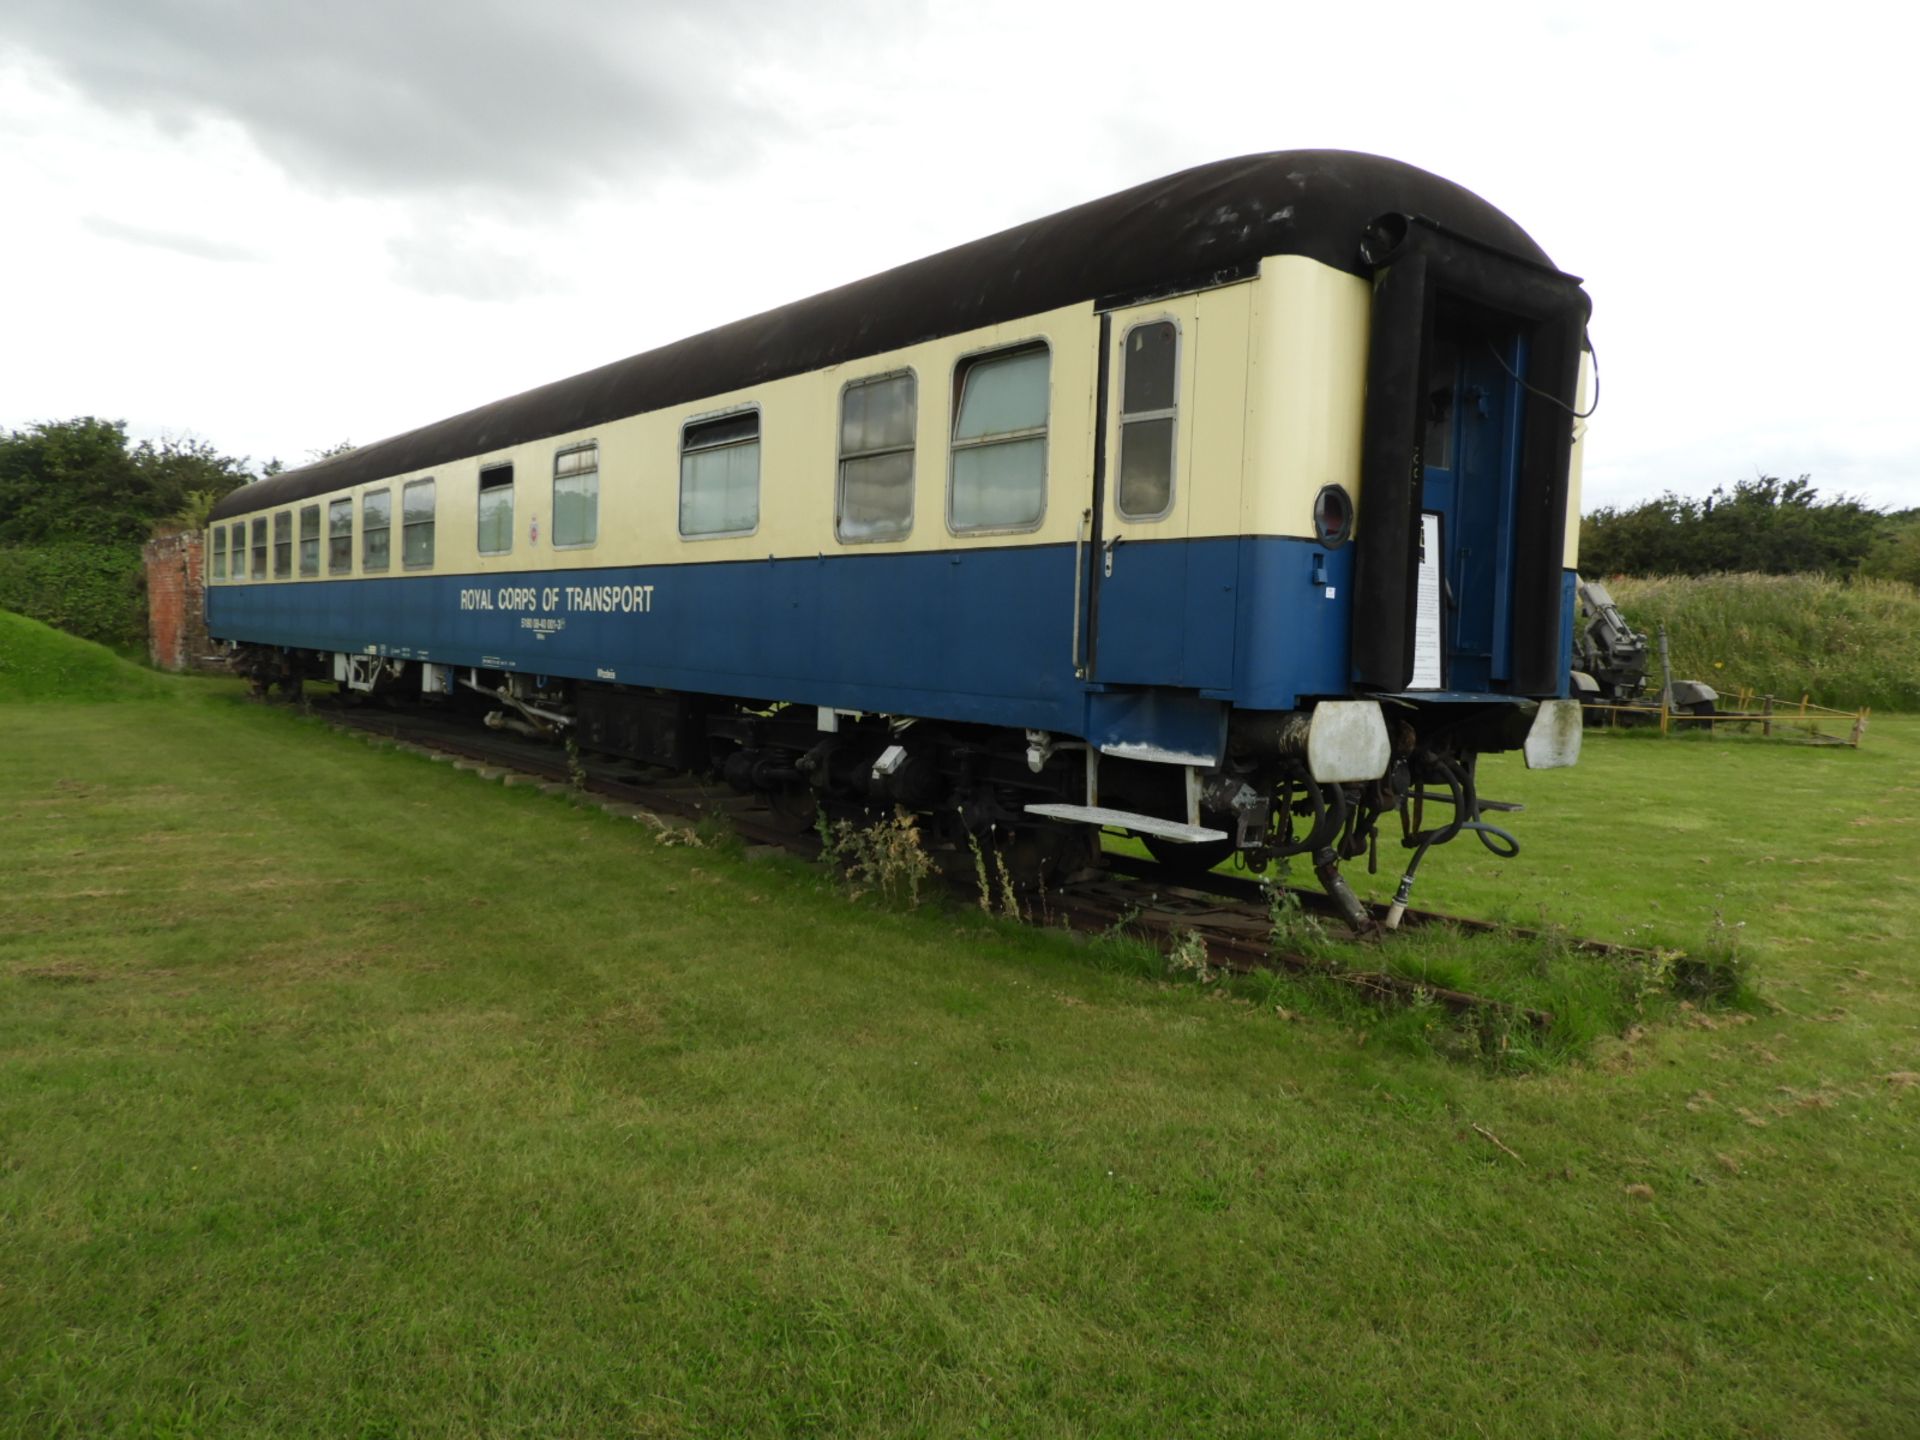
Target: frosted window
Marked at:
1152, 354
720, 475
310, 540
496, 510
376, 518
576, 496
340, 537
260, 548
283, 545
876, 459
1147, 411
240, 550
416, 524
1146, 468
220, 553
1000, 442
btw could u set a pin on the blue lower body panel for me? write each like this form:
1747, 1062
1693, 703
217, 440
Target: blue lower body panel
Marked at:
981, 635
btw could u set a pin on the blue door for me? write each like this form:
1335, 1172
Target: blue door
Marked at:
1162, 600
1469, 458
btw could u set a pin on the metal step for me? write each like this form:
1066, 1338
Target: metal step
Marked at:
1128, 820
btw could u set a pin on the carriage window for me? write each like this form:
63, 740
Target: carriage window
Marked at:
416, 524
720, 475
876, 459
309, 539
376, 519
260, 548
219, 552
239, 550
576, 496
283, 545
1148, 400
496, 510
340, 537
999, 477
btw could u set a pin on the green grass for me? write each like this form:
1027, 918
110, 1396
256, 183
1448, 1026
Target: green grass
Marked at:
38, 662
343, 1094
1847, 644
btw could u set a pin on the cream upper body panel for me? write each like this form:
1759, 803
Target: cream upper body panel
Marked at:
1583, 393
1271, 384
1306, 393
799, 426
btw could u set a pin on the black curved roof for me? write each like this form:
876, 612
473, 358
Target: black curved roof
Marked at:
1211, 222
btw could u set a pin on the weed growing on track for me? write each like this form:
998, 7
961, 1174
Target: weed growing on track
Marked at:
885, 857
1295, 929
1187, 957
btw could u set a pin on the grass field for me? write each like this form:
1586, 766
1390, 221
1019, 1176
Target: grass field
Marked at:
1847, 644
345, 1095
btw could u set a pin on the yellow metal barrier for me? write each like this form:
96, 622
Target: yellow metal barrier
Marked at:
1803, 719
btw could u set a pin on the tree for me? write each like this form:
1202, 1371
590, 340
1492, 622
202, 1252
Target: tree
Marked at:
70, 480
78, 480
1896, 554
1766, 524
187, 477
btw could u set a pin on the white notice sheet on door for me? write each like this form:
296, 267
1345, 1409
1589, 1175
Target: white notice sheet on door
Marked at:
1426, 619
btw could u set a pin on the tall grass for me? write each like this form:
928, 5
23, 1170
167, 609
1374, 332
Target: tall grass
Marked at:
1846, 644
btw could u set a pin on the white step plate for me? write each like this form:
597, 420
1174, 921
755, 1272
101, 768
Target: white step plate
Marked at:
1127, 820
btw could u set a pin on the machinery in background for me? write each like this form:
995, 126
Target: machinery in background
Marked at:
1611, 659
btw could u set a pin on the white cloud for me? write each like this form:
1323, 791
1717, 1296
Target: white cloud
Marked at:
200, 247
278, 226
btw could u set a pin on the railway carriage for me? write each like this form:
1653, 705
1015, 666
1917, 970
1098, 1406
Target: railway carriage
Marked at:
1232, 510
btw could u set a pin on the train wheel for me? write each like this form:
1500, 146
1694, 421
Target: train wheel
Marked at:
1185, 859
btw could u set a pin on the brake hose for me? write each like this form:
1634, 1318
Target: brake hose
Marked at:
1466, 816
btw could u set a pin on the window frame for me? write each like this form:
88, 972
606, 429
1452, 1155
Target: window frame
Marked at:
680, 481
238, 531
219, 556
283, 522
961, 365
480, 488
300, 538
261, 549
1172, 413
841, 456
366, 564
332, 535
553, 495
432, 524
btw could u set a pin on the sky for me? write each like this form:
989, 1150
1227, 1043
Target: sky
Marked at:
275, 227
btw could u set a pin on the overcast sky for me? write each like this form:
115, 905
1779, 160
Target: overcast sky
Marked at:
277, 226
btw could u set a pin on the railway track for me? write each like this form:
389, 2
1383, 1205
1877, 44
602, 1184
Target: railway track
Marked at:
1230, 914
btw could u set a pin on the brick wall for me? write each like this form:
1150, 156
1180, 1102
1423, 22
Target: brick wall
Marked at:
176, 602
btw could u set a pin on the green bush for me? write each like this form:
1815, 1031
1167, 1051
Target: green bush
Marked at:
1845, 644
87, 588
1896, 554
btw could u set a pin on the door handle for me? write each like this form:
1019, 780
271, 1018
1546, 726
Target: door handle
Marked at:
1106, 552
